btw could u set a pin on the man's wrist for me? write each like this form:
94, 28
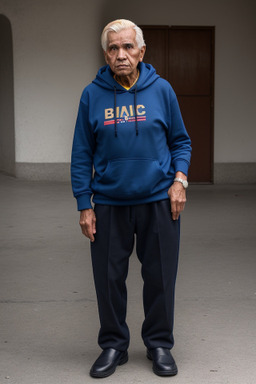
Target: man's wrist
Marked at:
181, 178
181, 175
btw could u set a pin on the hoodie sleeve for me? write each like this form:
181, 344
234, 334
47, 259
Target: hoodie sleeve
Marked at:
82, 158
178, 139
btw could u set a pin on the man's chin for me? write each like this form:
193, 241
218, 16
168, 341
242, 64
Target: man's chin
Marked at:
122, 71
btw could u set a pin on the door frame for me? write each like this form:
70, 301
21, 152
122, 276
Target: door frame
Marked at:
212, 30
212, 79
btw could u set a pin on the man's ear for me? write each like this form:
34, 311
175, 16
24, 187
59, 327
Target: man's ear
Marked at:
142, 52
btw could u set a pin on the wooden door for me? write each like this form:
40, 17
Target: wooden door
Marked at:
185, 57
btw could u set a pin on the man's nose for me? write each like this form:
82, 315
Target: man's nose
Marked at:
121, 54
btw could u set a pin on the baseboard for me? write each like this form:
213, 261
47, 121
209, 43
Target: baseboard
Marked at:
43, 171
234, 173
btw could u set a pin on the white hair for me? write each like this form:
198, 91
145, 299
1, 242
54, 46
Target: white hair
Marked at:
119, 25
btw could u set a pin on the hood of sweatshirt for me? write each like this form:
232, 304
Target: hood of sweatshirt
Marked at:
105, 79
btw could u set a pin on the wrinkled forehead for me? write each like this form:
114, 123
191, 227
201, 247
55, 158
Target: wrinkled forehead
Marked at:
125, 36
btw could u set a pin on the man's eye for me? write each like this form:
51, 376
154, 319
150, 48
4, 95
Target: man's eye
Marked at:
129, 46
112, 48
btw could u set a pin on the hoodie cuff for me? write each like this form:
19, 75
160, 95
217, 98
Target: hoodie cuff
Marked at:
83, 202
181, 166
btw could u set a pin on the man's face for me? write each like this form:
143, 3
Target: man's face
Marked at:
123, 54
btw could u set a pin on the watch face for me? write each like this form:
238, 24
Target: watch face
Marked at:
185, 183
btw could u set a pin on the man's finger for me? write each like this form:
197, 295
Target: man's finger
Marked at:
175, 215
94, 226
174, 210
89, 232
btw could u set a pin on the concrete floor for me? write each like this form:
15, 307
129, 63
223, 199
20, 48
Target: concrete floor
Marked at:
49, 320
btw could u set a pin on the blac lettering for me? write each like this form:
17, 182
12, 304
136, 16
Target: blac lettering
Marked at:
124, 111
109, 113
141, 110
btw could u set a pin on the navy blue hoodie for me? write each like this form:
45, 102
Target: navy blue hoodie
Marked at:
128, 144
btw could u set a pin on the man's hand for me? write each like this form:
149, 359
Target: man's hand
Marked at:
88, 223
177, 195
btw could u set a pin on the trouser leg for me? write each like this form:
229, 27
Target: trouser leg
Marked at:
157, 249
110, 252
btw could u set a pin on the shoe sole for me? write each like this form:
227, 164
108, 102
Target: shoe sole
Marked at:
162, 373
111, 371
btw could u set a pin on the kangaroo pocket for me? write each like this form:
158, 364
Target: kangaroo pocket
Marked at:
130, 178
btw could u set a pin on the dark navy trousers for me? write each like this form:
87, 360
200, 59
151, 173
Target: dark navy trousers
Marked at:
157, 247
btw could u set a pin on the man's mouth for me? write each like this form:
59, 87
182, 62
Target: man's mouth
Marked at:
122, 66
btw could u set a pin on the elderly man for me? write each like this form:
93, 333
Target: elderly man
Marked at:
129, 129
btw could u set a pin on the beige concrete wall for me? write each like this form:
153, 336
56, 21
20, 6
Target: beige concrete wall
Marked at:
57, 52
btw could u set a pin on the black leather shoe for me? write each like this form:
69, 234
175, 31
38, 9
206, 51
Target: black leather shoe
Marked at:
163, 362
107, 362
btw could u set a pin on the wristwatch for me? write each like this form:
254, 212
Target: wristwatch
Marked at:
183, 182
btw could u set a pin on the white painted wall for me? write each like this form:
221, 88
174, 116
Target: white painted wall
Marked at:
55, 56
57, 52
